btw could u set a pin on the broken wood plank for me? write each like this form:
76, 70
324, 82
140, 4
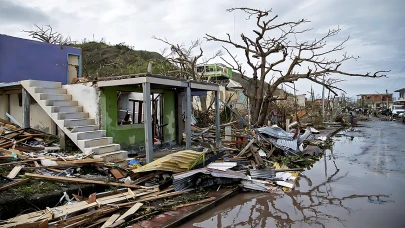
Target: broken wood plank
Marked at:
14, 163
156, 193
98, 222
271, 151
84, 181
195, 203
53, 170
110, 220
88, 215
131, 211
50, 213
147, 177
116, 173
14, 172
6, 157
14, 183
88, 218
120, 222
83, 161
29, 148
246, 148
38, 224
92, 198
153, 198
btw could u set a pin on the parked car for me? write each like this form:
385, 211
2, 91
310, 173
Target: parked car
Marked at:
385, 111
397, 109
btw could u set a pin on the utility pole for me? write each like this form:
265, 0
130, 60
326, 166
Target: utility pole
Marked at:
386, 91
323, 99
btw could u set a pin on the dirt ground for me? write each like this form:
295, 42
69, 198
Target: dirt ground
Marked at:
359, 183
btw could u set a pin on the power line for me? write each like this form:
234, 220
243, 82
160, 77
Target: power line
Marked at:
398, 77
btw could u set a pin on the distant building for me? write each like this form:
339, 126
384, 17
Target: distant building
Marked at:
301, 99
216, 71
375, 100
401, 93
401, 97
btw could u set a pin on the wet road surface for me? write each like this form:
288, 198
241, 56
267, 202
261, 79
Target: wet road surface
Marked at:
359, 183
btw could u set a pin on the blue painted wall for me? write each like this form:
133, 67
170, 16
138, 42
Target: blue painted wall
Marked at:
22, 59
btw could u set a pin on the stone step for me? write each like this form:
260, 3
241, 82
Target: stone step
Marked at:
103, 149
66, 109
72, 115
50, 91
113, 156
45, 84
61, 103
84, 128
94, 142
55, 97
78, 122
90, 134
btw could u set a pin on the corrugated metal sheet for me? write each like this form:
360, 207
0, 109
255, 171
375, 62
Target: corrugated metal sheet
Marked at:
306, 136
288, 146
188, 179
262, 173
254, 185
176, 162
222, 165
276, 132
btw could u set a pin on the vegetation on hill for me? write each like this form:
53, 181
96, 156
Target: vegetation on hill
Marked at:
102, 60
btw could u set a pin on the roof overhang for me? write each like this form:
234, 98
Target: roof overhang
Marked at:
157, 80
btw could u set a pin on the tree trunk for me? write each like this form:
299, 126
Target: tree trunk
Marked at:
263, 113
203, 102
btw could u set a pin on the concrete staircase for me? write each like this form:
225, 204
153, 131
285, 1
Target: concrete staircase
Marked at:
73, 121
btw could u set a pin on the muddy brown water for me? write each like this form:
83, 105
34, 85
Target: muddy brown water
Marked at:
359, 183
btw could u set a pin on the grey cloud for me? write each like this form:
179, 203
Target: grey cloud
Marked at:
11, 12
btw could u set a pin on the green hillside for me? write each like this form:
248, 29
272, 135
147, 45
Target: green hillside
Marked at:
103, 60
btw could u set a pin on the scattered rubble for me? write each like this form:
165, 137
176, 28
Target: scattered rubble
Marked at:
266, 159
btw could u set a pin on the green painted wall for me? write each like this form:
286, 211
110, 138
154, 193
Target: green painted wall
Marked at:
134, 134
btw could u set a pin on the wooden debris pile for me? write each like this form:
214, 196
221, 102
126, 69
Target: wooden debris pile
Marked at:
16, 142
107, 209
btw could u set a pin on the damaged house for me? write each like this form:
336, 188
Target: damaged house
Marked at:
101, 117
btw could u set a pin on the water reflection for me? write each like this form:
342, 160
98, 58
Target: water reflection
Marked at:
326, 204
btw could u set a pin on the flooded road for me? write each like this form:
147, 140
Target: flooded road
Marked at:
359, 183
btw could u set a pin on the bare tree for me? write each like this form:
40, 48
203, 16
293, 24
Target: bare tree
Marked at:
304, 59
185, 59
47, 35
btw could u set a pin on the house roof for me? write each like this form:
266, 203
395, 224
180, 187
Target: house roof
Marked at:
233, 84
400, 90
159, 80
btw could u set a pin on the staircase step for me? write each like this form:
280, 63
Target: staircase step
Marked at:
113, 156
103, 149
78, 122
45, 84
51, 91
90, 134
94, 142
84, 128
61, 103
55, 97
66, 109
73, 115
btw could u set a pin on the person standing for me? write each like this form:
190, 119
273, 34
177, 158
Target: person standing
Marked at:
351, 118
275, 117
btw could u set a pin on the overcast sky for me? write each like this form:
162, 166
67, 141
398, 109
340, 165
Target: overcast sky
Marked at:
376, 27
